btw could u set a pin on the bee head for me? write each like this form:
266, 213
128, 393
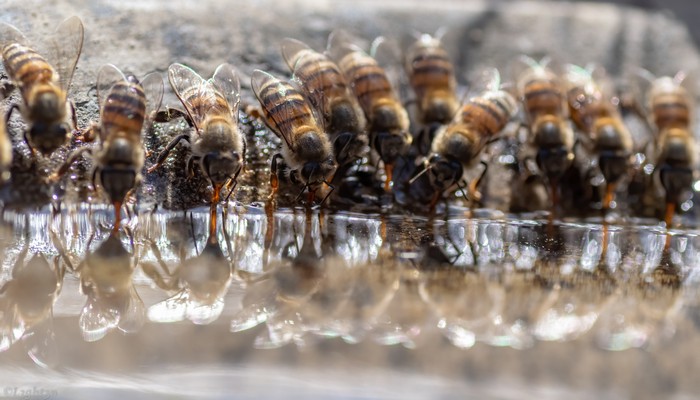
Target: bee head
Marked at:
443, 172
220, 167
554, 161
391, 146
46, 137
314, 172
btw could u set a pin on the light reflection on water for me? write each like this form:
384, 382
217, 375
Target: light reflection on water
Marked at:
309, 277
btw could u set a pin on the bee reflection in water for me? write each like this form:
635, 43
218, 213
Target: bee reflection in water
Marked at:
199, 283
112, 301
27, 299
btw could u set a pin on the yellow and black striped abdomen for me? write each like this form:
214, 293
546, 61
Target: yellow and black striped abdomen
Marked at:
284, 107
486, 116
367, 79
26, 67
124, 109
318, 73
543, 97
431, 70
670, 110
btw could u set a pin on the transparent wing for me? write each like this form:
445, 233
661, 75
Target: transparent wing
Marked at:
227, 82
153, 87
260, 81
524, 68
292, 51
94, 322
133, 316
67, 44
172, 309
341, 43
195, 93
387, 53
10, 34
107, 76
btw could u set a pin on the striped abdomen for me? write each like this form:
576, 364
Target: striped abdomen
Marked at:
26, 67
284, 107
488, 115
124, 109
431, 70
321, 78
543, 97
367, 79
205, 102
671, 110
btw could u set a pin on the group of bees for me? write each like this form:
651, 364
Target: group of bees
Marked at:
340, 112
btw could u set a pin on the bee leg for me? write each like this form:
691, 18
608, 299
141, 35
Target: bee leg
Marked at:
26, 140
274, 171
231, 186
329, 192
73, 114
164, 154
6, 87
73, 157
8, 115
170, 114
191, 162
163, 278
474, 193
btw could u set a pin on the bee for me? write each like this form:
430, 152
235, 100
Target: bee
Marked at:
306, 150
5, 153
388, 121
126, 105
328, 92
597, 117
544, 102
43, 86
211, 108
671, 108
457, 146
431, 75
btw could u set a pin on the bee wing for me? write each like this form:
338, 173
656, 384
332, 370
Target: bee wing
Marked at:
107, 76
10, 34
67, 44
525, 67
40, 341
227, 82
292, 51
172, 309
190, 87
133, 316
94, 322
640, 82
153, 87
388, 55
260, 80
341, 43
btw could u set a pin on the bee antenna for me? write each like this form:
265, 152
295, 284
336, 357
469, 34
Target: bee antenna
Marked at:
426, 169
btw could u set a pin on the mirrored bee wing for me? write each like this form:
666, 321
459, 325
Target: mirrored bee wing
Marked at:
172, 309
133, 316
279, 109
9, 34
40, 341
292, 51
67, 44
153, 87
11, 327
227, 82
94, 322
196, 94
107, 76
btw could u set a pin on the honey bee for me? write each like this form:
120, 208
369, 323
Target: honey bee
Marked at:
211, 108
5, 153
432, 78
307, 150
671, 108
597, 117
457, 146
388, 121
44, 86
126, 105
328, 92
544, 102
